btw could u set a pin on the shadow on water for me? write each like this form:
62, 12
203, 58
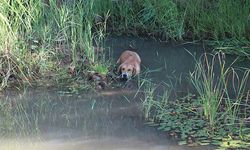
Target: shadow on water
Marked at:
109, 120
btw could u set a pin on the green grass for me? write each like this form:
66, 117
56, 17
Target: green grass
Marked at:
100, 68
220, 18
213, 87
143, 17
36, 35
214, 114
216, 19
37, 38
222, 21
233, 46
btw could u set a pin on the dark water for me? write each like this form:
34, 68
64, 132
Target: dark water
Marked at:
168, 62
49, 119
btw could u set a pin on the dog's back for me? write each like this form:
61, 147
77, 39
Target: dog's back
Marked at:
129, 56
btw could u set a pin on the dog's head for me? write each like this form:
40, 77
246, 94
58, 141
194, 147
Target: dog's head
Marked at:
126, 71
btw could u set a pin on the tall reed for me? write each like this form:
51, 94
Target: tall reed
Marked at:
212, 79
36, 34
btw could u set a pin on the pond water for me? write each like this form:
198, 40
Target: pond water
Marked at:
169, 62
110, 120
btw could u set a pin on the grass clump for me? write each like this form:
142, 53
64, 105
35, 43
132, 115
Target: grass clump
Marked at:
40, 38
162, 17
154, 18
233, 46
100, 68
217, 20
213, 88
218, 108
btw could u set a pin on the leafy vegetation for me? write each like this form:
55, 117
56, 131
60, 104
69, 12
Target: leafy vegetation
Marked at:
63, 40
214, 20
37, 37
215, 114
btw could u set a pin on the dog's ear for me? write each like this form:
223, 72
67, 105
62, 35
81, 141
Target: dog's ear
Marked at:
134, 71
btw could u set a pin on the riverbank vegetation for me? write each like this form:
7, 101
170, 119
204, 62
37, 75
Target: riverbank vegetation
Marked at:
214, 20
41, 36
46, 39
216, 112
62, 41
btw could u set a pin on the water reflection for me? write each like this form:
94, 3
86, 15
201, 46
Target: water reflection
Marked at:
49, 120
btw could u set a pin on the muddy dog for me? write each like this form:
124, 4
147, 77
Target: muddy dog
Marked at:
129, 64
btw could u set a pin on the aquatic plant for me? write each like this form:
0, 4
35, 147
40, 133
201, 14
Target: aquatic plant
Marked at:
215, 111
213, 87
233, 46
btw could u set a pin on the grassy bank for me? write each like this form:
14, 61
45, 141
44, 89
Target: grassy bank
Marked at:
217, 112
46, 39
60, 41
42, 36
196, 19
214, 20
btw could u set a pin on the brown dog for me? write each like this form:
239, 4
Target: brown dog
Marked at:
129, 64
